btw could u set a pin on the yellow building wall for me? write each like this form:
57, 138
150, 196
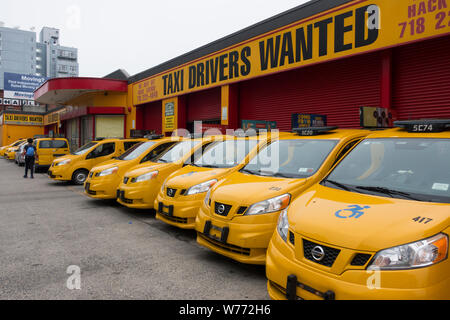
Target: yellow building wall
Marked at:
110, 99
130, 112
10, 133
96, 99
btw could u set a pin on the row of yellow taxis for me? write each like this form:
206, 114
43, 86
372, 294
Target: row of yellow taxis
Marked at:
332, 213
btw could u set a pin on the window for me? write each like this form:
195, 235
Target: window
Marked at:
57, 144
155, 152
102, 150
128, 144
45, 144
297, 158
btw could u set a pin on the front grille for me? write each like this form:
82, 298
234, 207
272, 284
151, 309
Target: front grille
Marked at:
292, 238
122, 198
222, 209
174, 219
330, 254
360, 259
171, 192
226, 246
241, 210
125, 180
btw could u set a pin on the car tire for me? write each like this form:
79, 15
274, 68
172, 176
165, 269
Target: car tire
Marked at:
80, 176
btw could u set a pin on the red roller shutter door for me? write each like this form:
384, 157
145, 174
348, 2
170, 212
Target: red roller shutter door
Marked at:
204, 105
421, 80
336, 89
152, 116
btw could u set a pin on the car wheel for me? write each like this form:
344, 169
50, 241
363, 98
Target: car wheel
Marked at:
79, 176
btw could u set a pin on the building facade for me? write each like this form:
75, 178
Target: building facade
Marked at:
56, 61
21, 53
345, 62
17, 52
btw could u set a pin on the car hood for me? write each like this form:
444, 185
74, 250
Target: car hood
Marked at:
362, 222
110, 164
147, 167
189, 176
247, 189
68, 157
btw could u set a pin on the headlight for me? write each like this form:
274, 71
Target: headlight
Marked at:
208, 195
63, 163
108, 172
413, 255
145, 176
270, 205
202, 187
283, 225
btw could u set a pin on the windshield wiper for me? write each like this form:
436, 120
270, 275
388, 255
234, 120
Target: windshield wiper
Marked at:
389, 192
207, 166
249, 171
339, 185
283, 175
162, 160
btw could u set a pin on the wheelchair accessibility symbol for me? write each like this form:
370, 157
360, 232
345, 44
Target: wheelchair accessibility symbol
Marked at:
352, 211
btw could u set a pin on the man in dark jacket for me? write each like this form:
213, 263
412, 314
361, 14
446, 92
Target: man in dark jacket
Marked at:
29, 153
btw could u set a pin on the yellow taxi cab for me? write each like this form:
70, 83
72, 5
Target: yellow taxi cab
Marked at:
142, 183
104, 179
184, 190
239, 214
376, 227
14, 144
10, 153
75, 167
48, 149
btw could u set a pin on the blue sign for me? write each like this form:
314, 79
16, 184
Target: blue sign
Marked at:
21, 86
301, 120
352, 211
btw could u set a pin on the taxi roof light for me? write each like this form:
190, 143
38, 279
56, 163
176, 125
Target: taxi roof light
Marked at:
424, 125
153, 136
313, 131
241, 133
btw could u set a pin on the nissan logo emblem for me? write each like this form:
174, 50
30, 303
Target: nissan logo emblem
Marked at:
317, 253
221, 209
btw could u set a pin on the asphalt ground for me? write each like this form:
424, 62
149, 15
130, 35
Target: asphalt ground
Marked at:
46, 227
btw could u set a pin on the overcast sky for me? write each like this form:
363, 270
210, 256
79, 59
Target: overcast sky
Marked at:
137, 34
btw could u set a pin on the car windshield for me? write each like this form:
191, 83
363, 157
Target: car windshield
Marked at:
296, 158
177, 151
84, 148
136, 150
225, 154
412, 168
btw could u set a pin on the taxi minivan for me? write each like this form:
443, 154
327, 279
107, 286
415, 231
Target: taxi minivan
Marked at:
239, 214
104, 179
376, 227
14, 144
48, 149
75, 167
141, 184
184, 190
10, 153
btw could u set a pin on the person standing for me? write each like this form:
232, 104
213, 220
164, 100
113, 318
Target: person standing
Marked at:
29, 152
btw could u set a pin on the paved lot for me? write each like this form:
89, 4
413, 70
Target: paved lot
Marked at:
45, 227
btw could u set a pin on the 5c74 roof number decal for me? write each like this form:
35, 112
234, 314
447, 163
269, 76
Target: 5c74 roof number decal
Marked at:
423, 220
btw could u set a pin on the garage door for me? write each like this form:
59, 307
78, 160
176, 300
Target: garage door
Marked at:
421, 80
336, 89
152, 113
204, 105
109, 126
